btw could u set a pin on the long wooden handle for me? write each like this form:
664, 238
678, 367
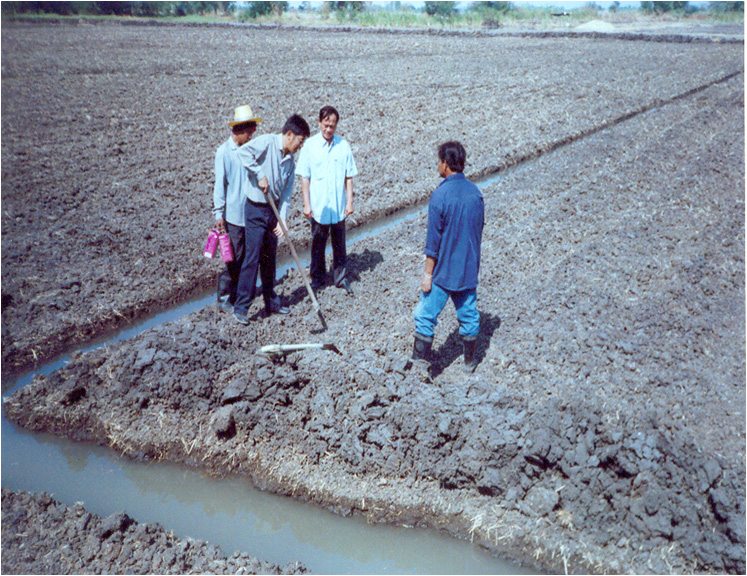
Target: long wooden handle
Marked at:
286, 234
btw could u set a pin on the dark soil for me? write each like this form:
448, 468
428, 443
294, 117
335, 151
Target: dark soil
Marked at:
604, 428
109, 134
42, 536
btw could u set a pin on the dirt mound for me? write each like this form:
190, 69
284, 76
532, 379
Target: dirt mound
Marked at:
42, 536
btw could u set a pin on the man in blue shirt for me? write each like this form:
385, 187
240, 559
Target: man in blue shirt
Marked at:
326, 167
269, 162
456, 215
231, 181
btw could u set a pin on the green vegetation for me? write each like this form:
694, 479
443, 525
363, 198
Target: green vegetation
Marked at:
117, 8
393, 14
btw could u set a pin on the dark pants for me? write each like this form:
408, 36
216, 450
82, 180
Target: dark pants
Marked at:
318, 269
260, 249
228, 281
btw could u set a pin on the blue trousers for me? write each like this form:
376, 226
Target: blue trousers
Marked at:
260, 250
432, 303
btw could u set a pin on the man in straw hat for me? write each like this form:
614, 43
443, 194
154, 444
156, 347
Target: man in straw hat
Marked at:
229, 192
270, 165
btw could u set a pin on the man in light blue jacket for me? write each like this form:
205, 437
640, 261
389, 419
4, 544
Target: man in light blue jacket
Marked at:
231, 182
270, 166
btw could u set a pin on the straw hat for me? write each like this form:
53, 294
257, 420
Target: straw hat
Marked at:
243, 114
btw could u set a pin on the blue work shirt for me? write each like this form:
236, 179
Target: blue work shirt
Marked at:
231, 184
456, 215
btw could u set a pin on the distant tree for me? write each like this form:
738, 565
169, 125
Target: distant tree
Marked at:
150, 9
279, 7
257, 9
440, 9
661, 7
726, 6
184, 8
490, 6
614, 7
347, 6
61, 8
116, 8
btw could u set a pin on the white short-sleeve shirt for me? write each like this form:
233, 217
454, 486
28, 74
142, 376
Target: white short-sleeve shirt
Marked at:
326, 165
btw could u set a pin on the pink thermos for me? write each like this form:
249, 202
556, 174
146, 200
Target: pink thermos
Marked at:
211, 244
225, 247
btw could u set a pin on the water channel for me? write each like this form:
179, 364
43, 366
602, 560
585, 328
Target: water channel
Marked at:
227, 511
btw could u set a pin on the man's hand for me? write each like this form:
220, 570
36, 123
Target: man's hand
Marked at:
307, 212
264, 185
220, 226
426, 283
279, 231
349, 209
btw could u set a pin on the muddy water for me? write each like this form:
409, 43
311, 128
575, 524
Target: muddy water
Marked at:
226, 511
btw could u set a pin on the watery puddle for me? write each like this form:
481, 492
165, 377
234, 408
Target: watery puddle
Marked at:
227, 511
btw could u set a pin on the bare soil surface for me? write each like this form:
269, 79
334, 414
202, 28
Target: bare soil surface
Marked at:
109, 134
42, 536
603, 430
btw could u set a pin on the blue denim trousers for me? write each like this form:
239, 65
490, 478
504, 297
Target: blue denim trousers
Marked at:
432, 303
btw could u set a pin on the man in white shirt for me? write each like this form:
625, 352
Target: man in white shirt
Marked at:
231, 181
326, 167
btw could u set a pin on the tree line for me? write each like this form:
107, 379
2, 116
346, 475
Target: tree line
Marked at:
257, 9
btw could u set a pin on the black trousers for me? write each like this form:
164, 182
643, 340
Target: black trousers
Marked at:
228, 281
318, 268
260, 250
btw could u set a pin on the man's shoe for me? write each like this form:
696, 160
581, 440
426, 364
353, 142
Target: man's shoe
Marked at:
316, 286
278, 310
345, 285
224, 306
241, 318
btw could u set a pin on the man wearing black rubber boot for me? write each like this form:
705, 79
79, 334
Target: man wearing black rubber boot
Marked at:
456, 215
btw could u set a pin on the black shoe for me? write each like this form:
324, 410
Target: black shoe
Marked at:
316, 285
345, 285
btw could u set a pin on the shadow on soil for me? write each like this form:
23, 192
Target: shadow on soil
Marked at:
451, 349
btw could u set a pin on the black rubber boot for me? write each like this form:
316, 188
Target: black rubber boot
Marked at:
421, 349
469, 354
